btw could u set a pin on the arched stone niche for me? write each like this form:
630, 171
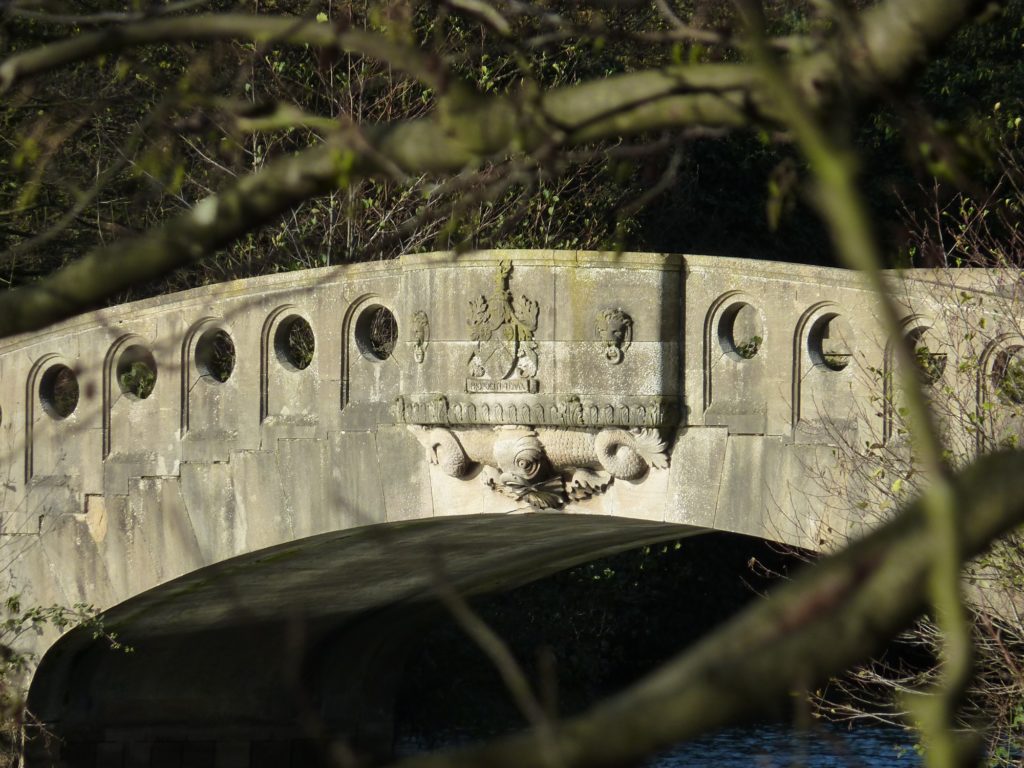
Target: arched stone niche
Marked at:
1000, 393
929, 344
212, 386
140, 403
61, 410
736, 360
289, 370
372, 359
825, 375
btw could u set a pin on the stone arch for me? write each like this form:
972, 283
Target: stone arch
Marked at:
734, 376
188, 368
33, 406
347, 329
991, 357
918, 324
210, 409
302, 383
109, 383
349, 347
816, 375
710, 321
801, 360
327, 620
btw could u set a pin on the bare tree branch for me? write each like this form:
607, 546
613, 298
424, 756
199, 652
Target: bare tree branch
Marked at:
466, 129
288, 30
107, 17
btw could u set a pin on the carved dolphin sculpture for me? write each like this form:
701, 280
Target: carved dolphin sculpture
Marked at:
530, 463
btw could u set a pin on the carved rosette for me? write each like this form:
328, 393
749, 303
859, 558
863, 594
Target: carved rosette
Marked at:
615, 333
420, 335
546, 468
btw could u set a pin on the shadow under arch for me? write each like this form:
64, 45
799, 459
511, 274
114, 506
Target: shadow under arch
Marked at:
286, 647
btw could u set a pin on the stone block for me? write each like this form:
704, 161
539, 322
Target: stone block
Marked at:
695, 475
302, 467
406, 480
211, 502
354, 494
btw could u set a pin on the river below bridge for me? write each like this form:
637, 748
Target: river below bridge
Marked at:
605, 625
760, 746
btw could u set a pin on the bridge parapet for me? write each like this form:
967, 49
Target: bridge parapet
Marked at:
208, 466
695, 390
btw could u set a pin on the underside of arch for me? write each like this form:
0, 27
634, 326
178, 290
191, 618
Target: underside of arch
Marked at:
285, 651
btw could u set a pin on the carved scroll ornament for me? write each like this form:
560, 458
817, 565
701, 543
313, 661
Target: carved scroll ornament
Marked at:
545, 468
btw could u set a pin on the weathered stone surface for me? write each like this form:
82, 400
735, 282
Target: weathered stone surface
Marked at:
406, 484
689, 391
355, 494
734, 364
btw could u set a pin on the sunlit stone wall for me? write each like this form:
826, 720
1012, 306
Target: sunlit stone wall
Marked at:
147, 440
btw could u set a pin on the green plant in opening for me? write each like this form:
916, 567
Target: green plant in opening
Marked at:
930, 364
748, 348
1010, 380
222, 356
836, 361
383, 333
138, 379
65, 392
300, 344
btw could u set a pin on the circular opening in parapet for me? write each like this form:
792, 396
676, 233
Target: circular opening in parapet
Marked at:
58, 391
215, 355
294, 343
376, 332
828, 343
740, 331
136, 372
930, 362
1008, 374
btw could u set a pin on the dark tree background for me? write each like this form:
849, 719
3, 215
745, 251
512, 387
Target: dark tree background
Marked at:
152, 147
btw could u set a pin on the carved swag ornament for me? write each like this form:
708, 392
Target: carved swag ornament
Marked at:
545, 468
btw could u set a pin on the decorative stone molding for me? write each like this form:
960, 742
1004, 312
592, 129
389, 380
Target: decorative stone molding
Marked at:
615, 332
545, 468
571, 411
505, 358
420, 335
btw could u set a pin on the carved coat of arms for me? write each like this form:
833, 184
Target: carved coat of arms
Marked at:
505, 357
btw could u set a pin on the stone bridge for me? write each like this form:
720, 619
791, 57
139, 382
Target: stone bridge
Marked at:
262, 482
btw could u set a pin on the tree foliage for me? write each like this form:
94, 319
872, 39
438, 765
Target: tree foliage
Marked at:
218, 141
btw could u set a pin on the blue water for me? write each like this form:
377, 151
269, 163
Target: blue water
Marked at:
777, 746
764, 746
